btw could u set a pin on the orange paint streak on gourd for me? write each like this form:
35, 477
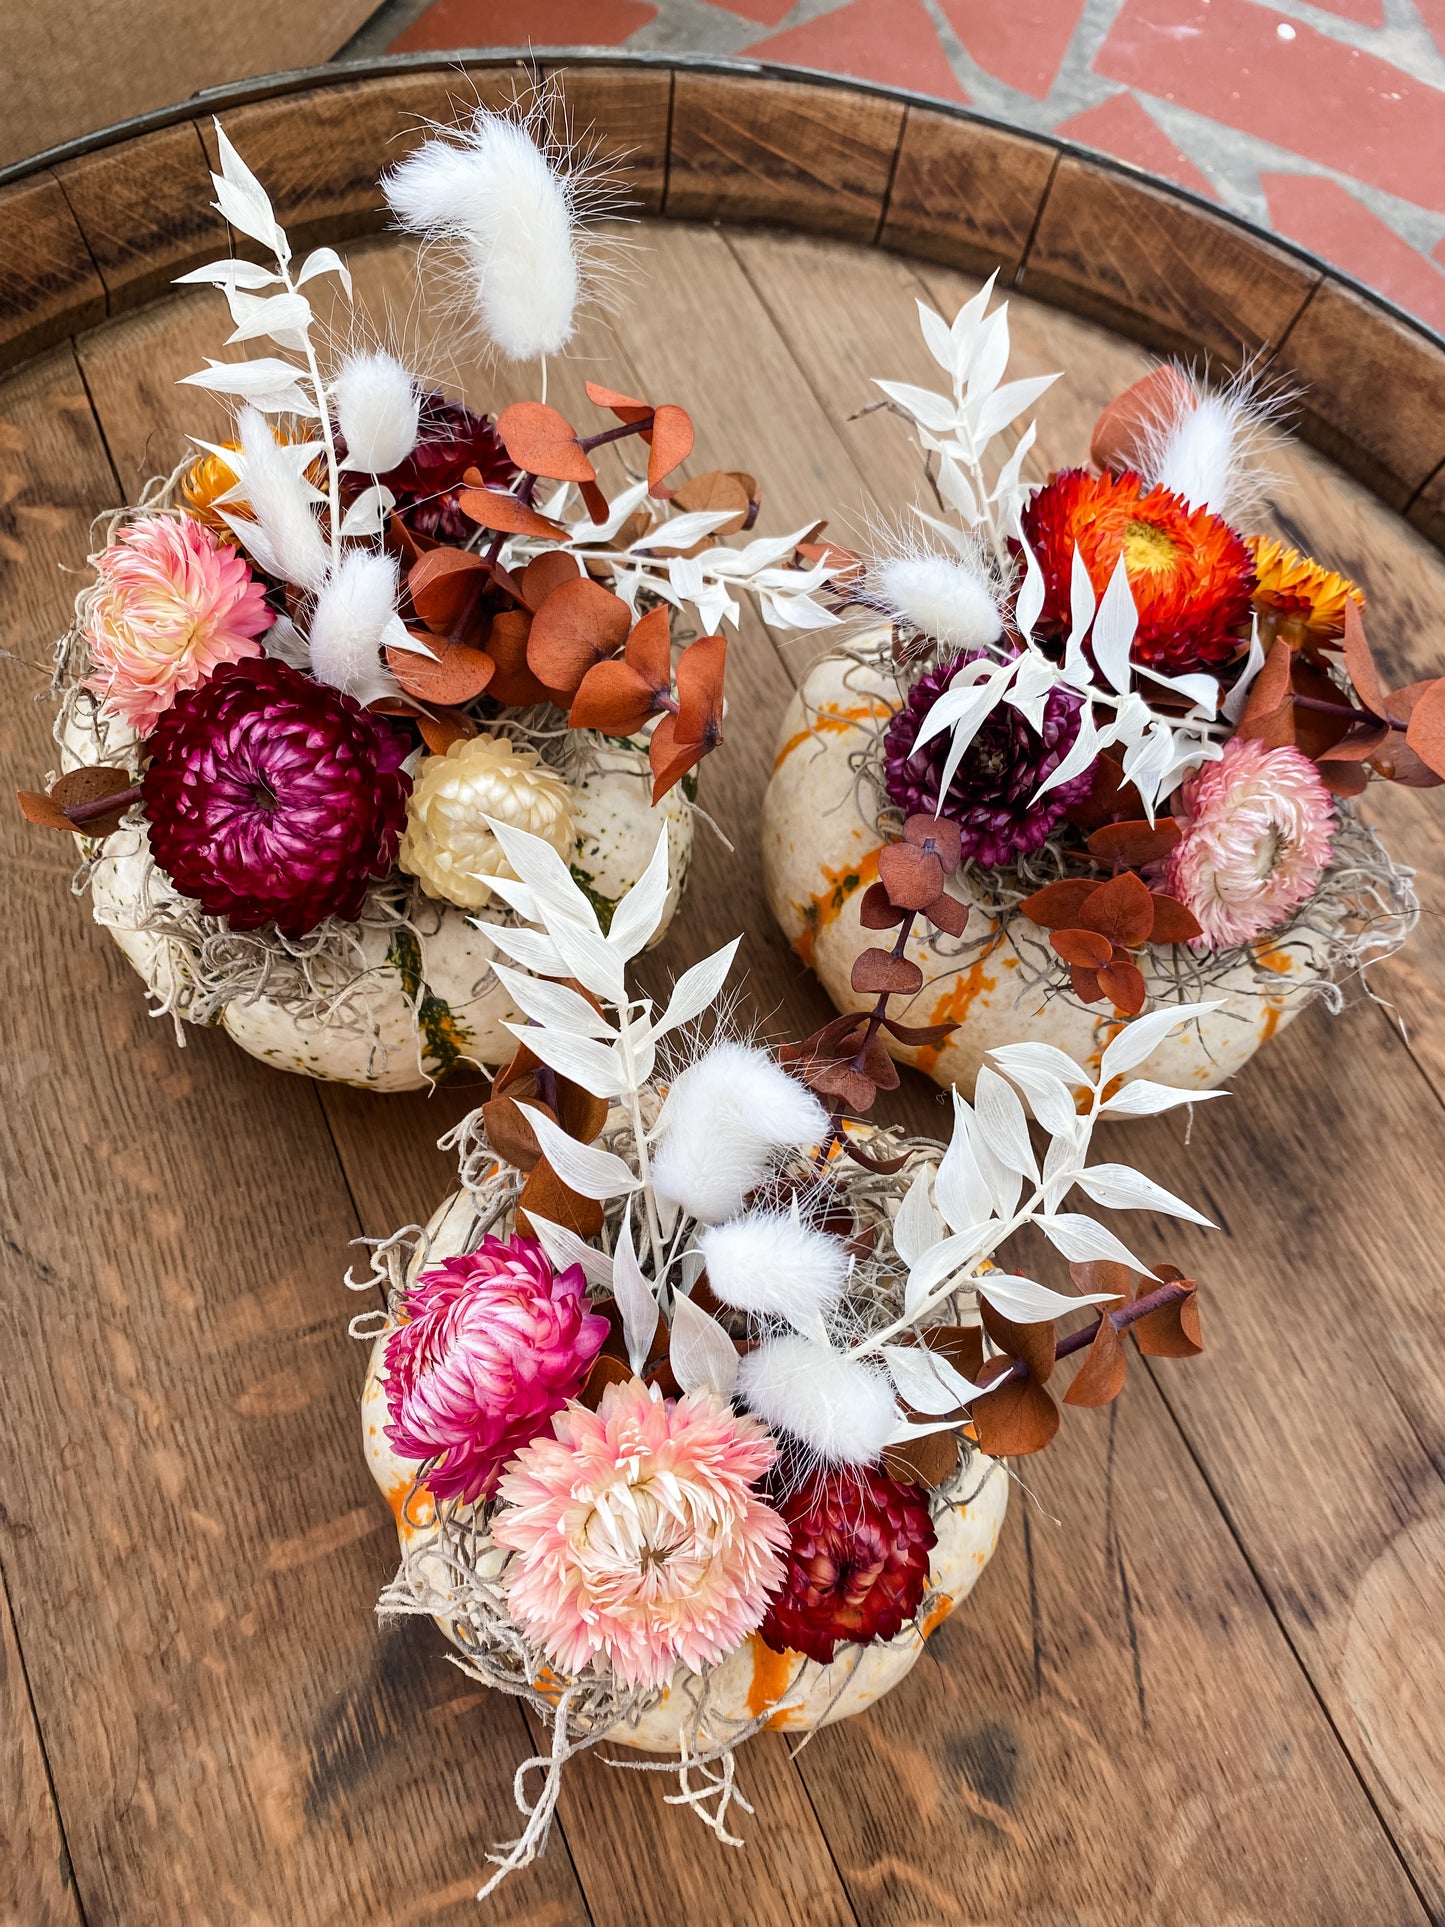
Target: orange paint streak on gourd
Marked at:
828, 905
1272, 958
938, 1615
773, 1674
1271, 1023
954, 1005
831, 722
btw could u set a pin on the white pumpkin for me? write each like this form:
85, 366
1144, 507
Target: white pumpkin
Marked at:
820, 853
752, 1678
416, 1002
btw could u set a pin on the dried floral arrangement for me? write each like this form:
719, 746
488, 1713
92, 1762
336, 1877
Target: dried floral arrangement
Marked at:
690, 1402
312, 663
1147, 724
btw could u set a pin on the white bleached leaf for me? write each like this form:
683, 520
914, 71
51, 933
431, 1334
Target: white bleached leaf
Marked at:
1122, 1188
620, 507
697, 988
1033, 684
937, 1267
915, 1227
582, 1060
1050, 1099
1083, 604
1087, 745
229, 274
1202, 690
537, 864
242, 199
1061, 1160
938, 336
933, 411
585, 1167
925, 1379
635, 1302
564, 1248
553, 1004
1008, 476
638, 914
1000, 1116
589, 958
956, 489
960, 1190
1046, 1060
788, 611
267, 381
701, 1353
681, 531
1082, 1239
367, 515
1030, 1304
1142, 1098
1031, 593
1144, 1034
530, 948
990, 355
278, 315
1006, 404
1234, 702
1114, 627
324, 261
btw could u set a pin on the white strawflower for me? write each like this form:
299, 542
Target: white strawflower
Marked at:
447, 843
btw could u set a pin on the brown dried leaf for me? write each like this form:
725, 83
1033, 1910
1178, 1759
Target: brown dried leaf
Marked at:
542, 441
1173, 1331
491, 509
579, 624
1172, 922
875, 912
458, 674
1268, 711
1156, 397
36, 807
627, 408
546, 1194
446, 587
1121, 910
719, 489
877, 971
918, 1036
940, 834
1101, 1274
1057, 905
1100, 1379
1134, 843
443, 727
1017, 1419
1032, 1345
1123, 984
1085, 984
508, 1131
927, 1461
1345, 779
1426, 733
91, 783
546, 572
911, 876
856, 1089
671, 439
613, 698
1359, 663
961, 1345
1083, 947
514, 683
606, 1370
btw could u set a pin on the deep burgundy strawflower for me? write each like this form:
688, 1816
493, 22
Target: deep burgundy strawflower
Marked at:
273, 797
425, 485
858, 1563
990, 795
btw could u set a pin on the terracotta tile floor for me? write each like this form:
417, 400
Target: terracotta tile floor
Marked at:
1323, 120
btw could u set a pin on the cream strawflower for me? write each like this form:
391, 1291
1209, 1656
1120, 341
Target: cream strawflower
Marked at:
1258, 829
172, 603
447, 843
638, 1534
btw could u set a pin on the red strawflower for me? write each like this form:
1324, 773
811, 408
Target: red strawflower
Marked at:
857, 1566
1189, 573
425, 485
271, 796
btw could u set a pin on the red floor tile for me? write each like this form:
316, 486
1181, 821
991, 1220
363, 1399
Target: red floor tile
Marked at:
1123, 128
1321, 216
1432, 12
1312, 95
540, 23
767, 13
891, 41
1021, 42
1369, 13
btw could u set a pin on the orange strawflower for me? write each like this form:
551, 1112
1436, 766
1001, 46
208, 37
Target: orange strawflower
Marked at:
1297, 597
205, 479
1190, 575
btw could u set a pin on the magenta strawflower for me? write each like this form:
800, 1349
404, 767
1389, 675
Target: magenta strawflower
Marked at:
991, 795
270, 796
1258, 827
425, 485
857, 1563
172, 604
494, 1343
638, 1533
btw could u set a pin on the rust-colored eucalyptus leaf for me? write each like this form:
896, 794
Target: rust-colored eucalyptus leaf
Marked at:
961, 1345
670, 760
546, 1194
457, 674
443, 727
1121, 910
606, 1370
514, 683
1173, 923
627, 408
912, 877
542, 441
719, 489
1268, 711
649, 648
1085, 984
1100, 1379
856, 1089
491, 509
579, 624
1156, 397
1344, 779
1360, 663
927, 1461
875, 912
508, 1130
1032, 1345
36, 807
1084, 947
1173, 1331
614, 698
446, 588
876, 971
1426, 733
940, 834
948, 914
1130, 844
546, 572
919, 1036
91, 783
1089, 1275
1016, 1419
700, 671
671, 439
1057, 905
1123, 984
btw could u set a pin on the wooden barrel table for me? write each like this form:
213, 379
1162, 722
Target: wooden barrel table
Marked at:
1202, 1680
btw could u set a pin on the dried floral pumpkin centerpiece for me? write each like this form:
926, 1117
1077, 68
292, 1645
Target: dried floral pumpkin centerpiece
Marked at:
315, 663
690, 1402
1145, 721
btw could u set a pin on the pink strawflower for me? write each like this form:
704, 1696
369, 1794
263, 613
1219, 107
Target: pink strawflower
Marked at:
638, 1533
1258, 829
495, 1342
173, 603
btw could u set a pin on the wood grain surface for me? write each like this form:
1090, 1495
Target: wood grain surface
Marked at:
1201, 1684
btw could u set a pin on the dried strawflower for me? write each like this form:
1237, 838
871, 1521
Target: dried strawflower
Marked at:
857, 1563
452, 440
172, 604
448, 845
638, 1533
494, 1342
210, 475
991, 796
270, 796
1189, 574
1258, 826
1297, 597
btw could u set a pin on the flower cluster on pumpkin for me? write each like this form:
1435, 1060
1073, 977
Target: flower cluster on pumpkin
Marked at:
656, 1389
337, 653
1117, 665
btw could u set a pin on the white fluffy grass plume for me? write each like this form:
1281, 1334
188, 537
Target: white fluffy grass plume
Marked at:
352, 611
726, 1118
950, 598
285, 537
378, 411
515, 208
842, 1409
1215, 446
772, 1265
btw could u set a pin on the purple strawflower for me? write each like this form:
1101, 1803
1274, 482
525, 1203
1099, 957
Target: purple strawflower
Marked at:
273, 797
425, 485
990, 795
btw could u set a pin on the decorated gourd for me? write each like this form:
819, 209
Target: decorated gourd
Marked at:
691, 1402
